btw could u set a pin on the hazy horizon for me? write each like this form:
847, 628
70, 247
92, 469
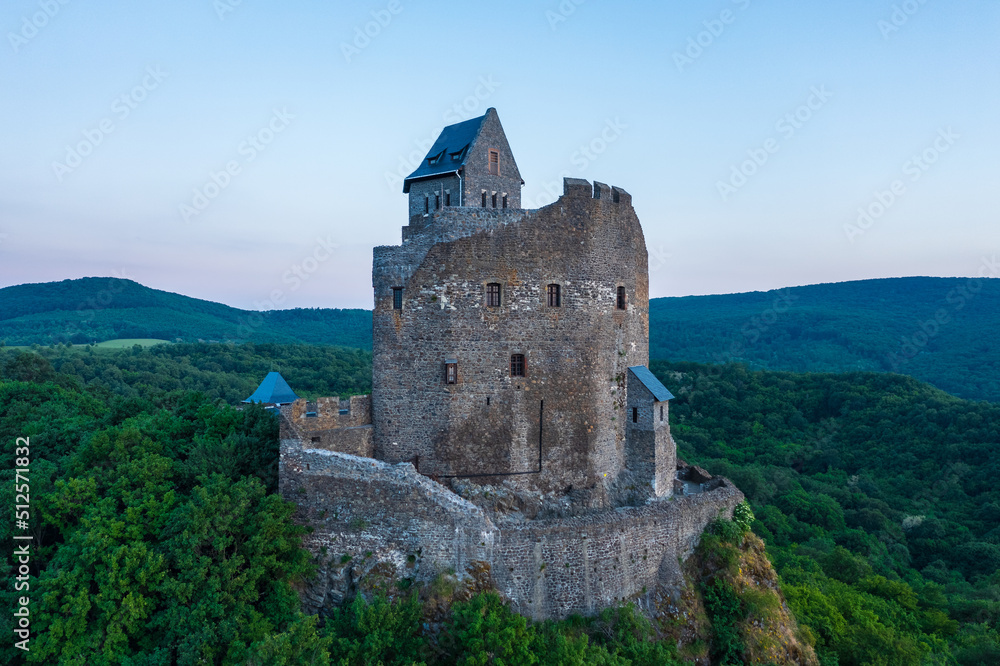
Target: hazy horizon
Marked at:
210, 147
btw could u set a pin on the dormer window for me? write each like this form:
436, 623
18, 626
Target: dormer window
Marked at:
435, 159
494, 163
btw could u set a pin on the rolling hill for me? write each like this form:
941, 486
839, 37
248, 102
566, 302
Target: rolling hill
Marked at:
940, 330
96, 309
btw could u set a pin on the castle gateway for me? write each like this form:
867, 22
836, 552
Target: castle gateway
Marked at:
512, 418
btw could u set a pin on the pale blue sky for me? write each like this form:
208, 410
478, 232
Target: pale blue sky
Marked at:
340, 128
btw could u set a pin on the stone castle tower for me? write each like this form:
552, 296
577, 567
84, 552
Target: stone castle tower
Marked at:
503, 337
514, 435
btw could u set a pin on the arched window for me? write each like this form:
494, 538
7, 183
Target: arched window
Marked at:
517, 365
554, 297
493, 294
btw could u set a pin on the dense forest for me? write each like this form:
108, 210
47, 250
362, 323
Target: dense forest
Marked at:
97, 309
163, 541
939, 330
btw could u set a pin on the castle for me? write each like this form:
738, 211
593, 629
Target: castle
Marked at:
513, 427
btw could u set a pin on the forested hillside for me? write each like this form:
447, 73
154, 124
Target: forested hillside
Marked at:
940, 330
874, 493
97, 309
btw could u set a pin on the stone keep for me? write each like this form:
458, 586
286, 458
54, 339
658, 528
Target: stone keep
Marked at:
479, 287
513, 430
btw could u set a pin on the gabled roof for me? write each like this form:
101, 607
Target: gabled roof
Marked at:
449, 152
273, 390
652, 384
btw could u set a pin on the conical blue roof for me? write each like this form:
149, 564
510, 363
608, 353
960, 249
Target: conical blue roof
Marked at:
273, 390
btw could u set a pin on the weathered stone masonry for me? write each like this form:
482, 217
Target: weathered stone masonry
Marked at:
542, 398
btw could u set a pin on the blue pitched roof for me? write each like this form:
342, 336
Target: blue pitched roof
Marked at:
449, 152
273, 390
654, 385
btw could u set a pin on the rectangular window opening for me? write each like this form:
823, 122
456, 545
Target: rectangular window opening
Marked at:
621, 298
661, 412
437, 202
504, 200
517, 365
494, 163
484, 198
493, 294
397, 298
555, 299
494, 199
451, 372
427, 204
447, 198
635, 415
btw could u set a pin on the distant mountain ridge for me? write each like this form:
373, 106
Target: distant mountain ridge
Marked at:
941, 330
95, 309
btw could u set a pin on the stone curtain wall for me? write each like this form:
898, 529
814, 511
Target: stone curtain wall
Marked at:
554, 568
328, 428
387, 516
399, 518
576, 354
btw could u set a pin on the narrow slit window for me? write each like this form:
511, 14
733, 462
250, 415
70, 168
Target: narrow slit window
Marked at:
427, 205
621, 298
447, 198
437, 202
494, 163
517, 365
505, 201
451, 371
494, 199
484, 198
493, 294
555, 298
661, 412
397, 298
635, 415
